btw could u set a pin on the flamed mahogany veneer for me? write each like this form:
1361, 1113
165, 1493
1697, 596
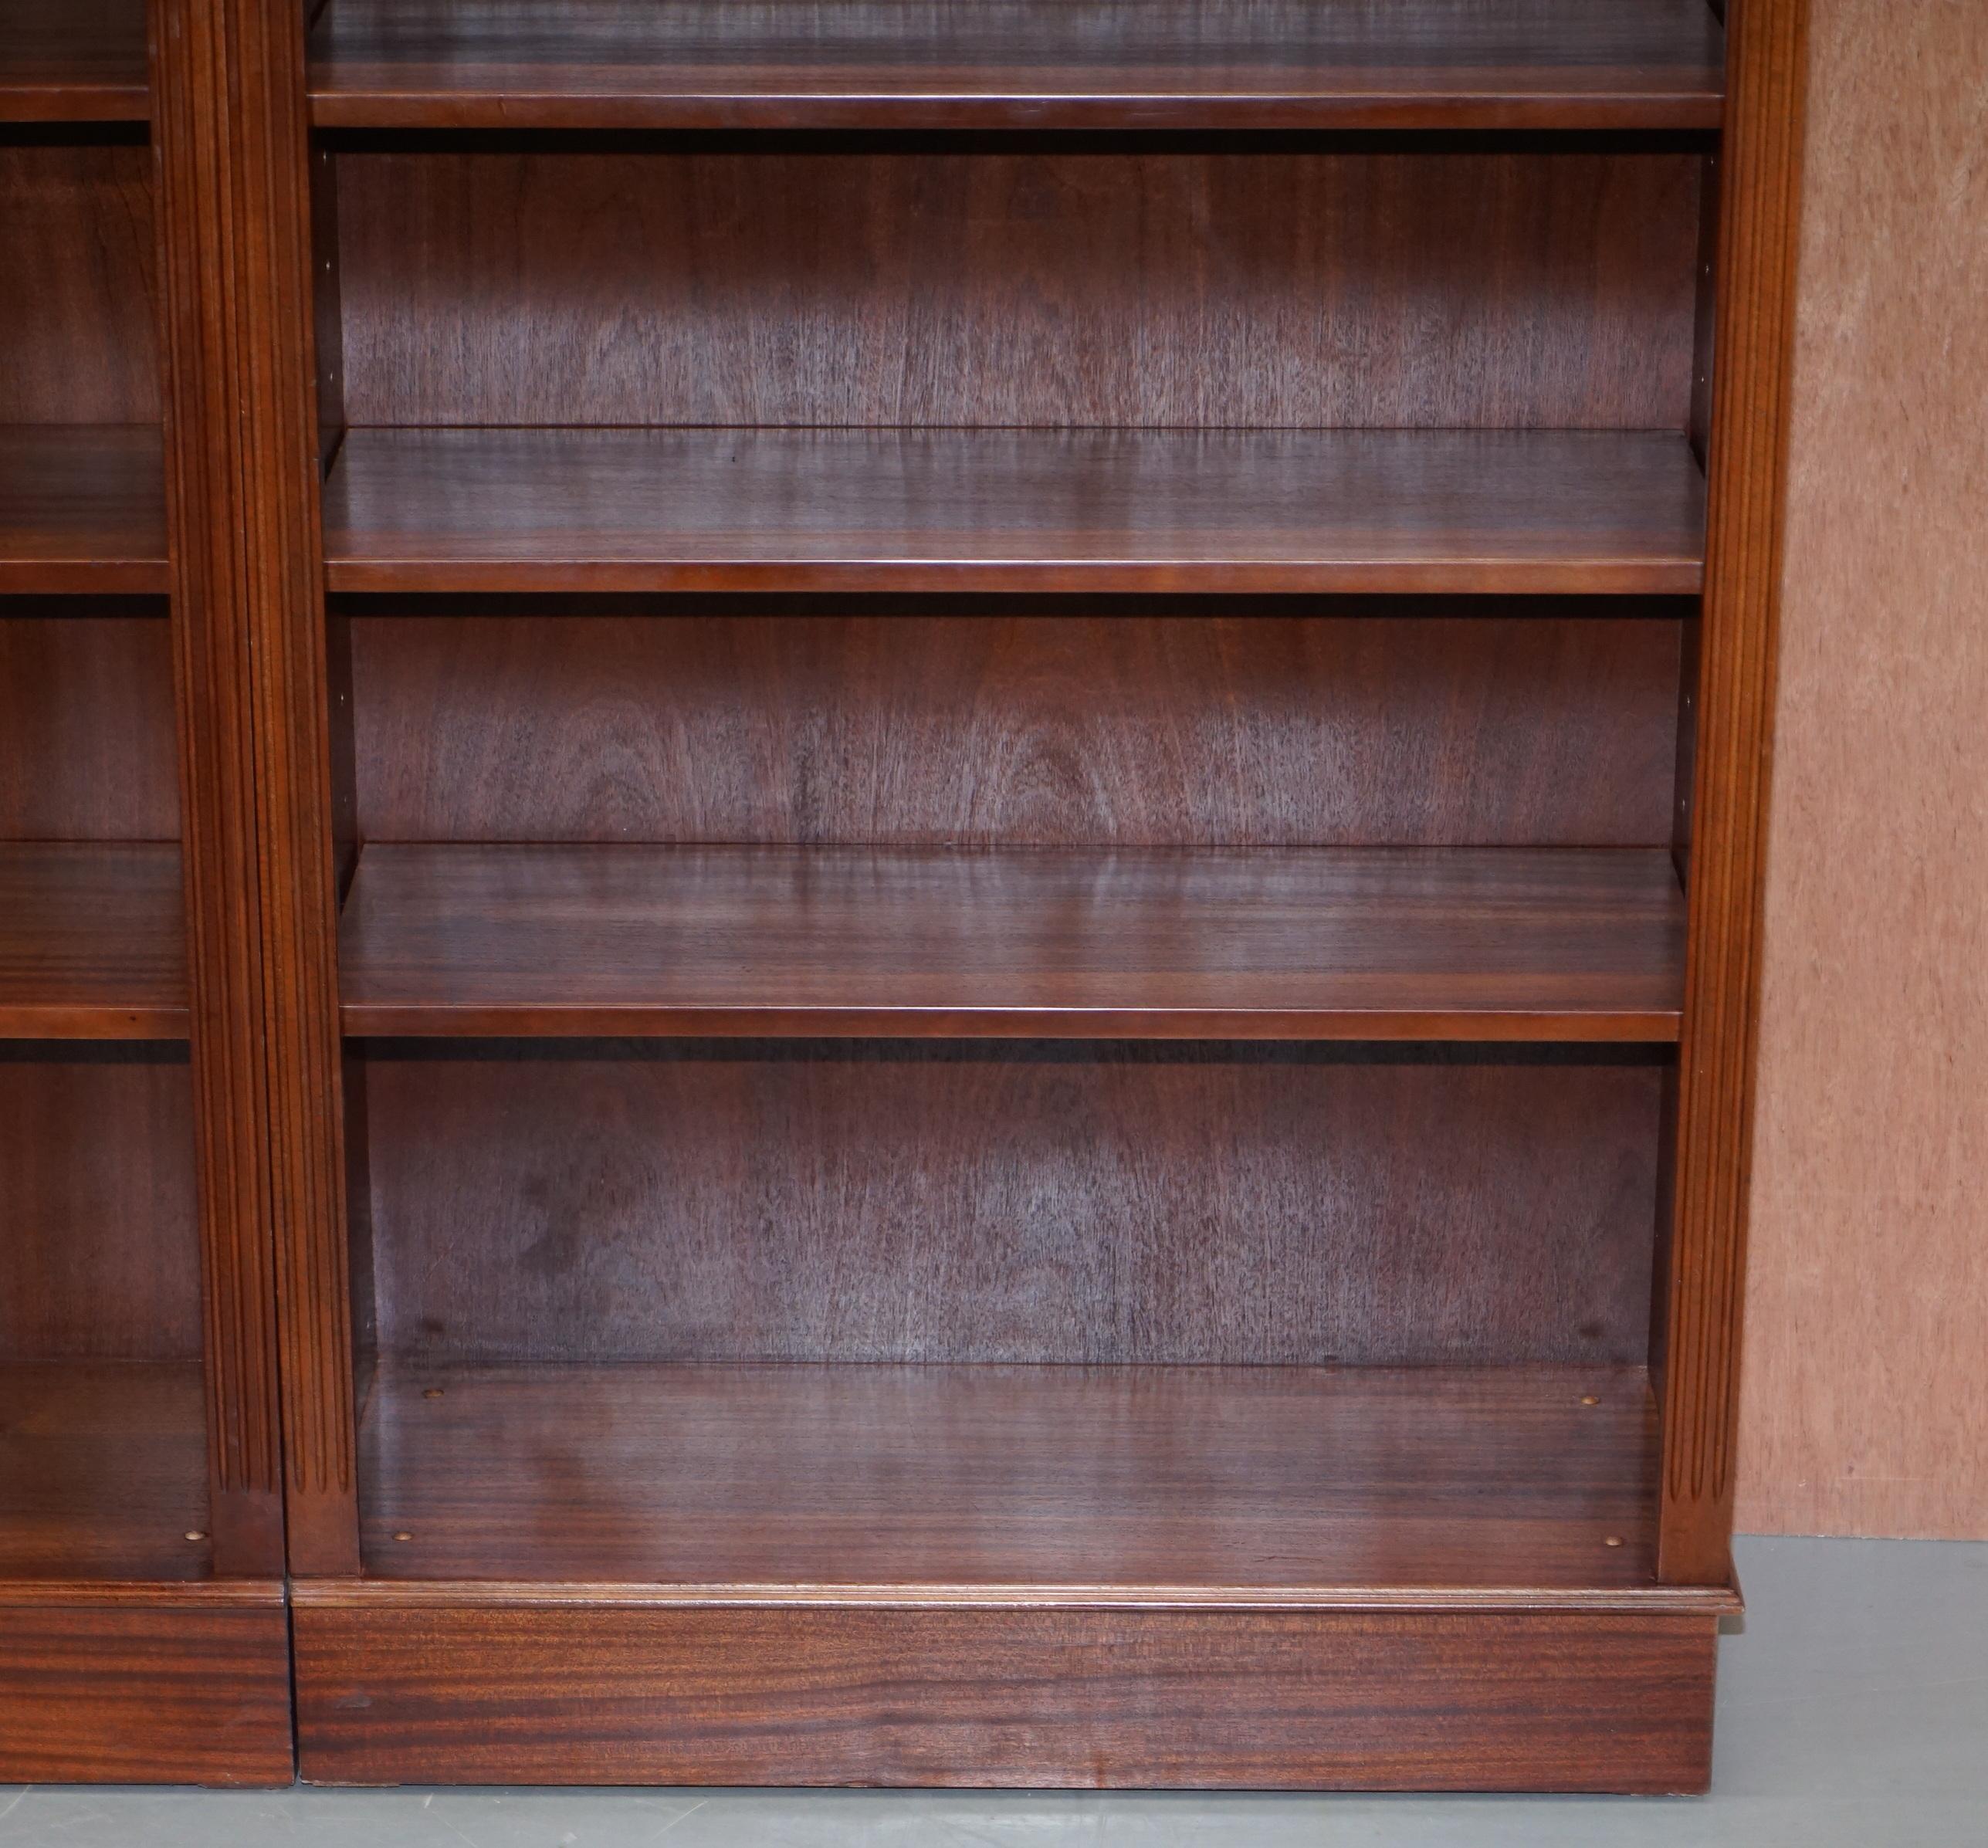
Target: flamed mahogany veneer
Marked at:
1375, 943
1018, 64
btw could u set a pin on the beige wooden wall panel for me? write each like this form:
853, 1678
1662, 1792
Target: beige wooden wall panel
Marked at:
1866, 1390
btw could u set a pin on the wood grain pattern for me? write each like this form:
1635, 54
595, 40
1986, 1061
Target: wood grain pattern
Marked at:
1015, 722
99, 1256
1365, 944
139, 1687
1092, 284
103, 1472
83, 509
1866, 1393
865, 1201
1405, 1700
248, 630
1019, 63
1759, 226
73, 61
78, 293
1189, 1478
88, 749
92, 943
495, 510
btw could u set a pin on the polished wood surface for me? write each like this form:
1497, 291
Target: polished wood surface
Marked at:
85, 685
1747, 465
1127, 1478
1000, 722
496, 510
102, 1471
1088, 282
928, 1201
1866, 1393
73, 61
1433, 943
1293, 1700
91, 942
82, 509
78, 296
1018, 64
237, 262
145, 1684
99, 1256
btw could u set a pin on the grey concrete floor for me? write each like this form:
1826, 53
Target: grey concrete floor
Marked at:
1853, 1711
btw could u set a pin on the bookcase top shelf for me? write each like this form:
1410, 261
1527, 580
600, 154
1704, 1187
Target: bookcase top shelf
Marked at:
73, 61
1316, 511
1359, 943
91, 941
1044, 64
82, 509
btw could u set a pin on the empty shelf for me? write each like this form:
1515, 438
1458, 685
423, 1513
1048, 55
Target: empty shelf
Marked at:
1640, 64
952, 1481
102, 1471
1346, 511
73, 61
1431, 943
92, 944
82, 508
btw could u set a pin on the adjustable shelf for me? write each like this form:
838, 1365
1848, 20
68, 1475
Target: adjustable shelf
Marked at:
1207, 1486
73, 61
1227, 64
1442, 943
81, 509
1343, 511
91, 941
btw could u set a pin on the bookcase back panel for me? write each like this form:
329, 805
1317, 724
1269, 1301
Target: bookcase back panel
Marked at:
99, 1258
1043, 283
86, 748
79, 332
998, 722
881, 1200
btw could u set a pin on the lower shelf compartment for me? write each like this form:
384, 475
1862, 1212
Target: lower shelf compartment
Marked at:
1200, 1485
102, 1473
1130, 1576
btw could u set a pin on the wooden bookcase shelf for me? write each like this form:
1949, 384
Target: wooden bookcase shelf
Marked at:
1294, 511
1372, 944
1207, 1486
878, 885
82, 509
92, 944
73, 61
1178, 64
105, 1467
143, 1632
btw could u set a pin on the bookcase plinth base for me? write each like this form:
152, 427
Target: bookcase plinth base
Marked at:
401, 1684
145, 1684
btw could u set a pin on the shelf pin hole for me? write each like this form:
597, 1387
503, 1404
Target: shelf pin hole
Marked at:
1613, 1540
194, 1533
404, 1535
1589, 1398
431, 1392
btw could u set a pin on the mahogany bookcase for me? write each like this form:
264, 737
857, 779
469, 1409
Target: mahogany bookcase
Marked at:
990, 814
143, 1632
